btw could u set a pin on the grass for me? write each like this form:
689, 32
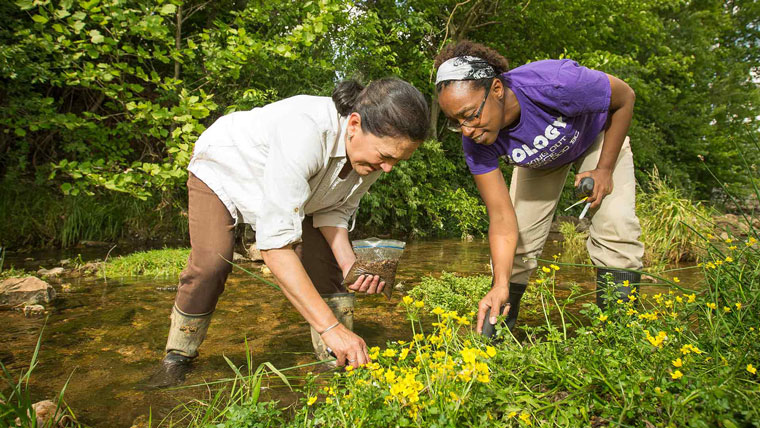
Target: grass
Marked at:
451, 291
35, 215
167, 262
670, 224
573, 244
16, 404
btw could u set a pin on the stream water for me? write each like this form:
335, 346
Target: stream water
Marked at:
105, 337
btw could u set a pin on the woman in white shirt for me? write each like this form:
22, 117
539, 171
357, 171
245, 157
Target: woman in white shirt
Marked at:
294, 170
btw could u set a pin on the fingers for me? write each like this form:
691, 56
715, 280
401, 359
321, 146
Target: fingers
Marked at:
507, 307
381, 286
580, 176
369, 284
482, 308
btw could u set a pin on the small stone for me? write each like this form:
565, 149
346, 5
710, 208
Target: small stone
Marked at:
254, 254
266, 271
28, 290
237, 258
52, 273
33, 310
48, 414
29, 259
64, 262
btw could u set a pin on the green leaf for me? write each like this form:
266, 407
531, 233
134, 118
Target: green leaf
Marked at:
25, 4
20, 132
66, 188
96, 37
77, 26
168, 9
39, 19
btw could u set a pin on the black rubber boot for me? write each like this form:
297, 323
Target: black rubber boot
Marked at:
618, 277
516, 292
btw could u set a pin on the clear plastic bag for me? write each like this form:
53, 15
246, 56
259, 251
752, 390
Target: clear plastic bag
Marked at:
376, 257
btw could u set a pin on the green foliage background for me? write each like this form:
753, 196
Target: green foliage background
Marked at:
101, 100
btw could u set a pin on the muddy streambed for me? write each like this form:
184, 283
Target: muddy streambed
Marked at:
108, 336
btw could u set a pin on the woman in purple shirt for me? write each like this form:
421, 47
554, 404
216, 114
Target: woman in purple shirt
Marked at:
543, 117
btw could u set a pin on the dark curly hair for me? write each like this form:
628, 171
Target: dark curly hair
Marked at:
466, 47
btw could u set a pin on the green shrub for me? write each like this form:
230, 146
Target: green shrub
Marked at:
452, 292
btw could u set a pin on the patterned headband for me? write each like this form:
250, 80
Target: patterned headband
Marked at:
464, 68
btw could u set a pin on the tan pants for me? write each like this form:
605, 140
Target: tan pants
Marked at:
614, 233
212, 238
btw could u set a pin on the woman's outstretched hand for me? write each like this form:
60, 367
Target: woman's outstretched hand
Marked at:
498, 296
369, 284
349, 349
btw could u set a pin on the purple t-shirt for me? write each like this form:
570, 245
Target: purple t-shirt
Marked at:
563, 107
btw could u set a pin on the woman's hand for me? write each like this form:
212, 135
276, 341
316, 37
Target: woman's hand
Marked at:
369, 284
498, 296
349, 349
602, 185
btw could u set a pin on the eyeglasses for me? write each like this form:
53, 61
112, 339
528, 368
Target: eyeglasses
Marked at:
456, 126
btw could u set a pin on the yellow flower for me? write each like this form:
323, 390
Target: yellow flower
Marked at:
349, 368
729, 259
526, 419
545, 269
454, 396
463, 321
490, 351
738, 306
751, 369
311, 400
602, 318
658, 390
511, 415
711, 305
407, 300
729, 240
438, 311
419, 304
404, 353
631, 311
692, 297
328, 400
676, 280
687, 349
733, 247
677, 362
750, 242
676, 374
389, 353
619, 301
726, 309
679, 299
719, 262
627, 283
555, 267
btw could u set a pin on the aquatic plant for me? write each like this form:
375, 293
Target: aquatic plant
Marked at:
668, 224
167, 262
16, 405
573, 244
452, 292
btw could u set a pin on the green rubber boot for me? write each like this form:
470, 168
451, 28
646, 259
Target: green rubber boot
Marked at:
342, 306
186, 334
618, 277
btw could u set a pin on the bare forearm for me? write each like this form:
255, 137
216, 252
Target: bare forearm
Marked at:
337, 238
502, 238
622, 100
298, 288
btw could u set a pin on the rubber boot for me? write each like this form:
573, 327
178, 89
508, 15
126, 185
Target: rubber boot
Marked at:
618, 277
342, 306
186, 334
516, 292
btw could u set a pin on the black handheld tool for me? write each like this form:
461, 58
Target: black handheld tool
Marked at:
585, 187
489, 330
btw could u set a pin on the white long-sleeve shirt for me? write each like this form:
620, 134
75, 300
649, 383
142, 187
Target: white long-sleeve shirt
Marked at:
275, 164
